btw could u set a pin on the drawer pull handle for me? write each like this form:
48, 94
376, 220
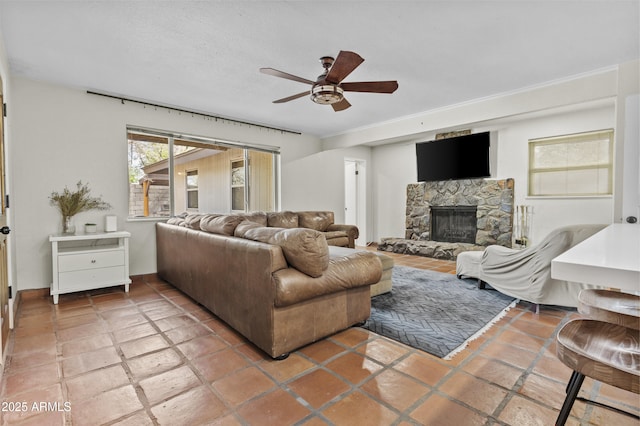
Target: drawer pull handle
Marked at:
93, 261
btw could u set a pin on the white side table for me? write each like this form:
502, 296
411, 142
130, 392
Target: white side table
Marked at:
89, 261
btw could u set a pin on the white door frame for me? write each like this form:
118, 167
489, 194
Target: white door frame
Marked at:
355, 181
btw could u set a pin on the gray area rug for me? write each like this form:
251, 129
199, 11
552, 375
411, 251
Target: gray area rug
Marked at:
435, 312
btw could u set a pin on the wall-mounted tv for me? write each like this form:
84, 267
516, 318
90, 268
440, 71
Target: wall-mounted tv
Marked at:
460, 157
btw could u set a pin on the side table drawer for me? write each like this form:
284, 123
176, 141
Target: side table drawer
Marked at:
104, 259
99, 276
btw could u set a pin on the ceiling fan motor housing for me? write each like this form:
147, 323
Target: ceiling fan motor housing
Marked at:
326, 94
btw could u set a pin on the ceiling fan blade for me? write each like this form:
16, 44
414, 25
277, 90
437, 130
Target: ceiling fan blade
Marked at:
371, 86
281, 74
344, 64
290, 98
342, 105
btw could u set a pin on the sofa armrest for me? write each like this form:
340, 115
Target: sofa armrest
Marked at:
352, 232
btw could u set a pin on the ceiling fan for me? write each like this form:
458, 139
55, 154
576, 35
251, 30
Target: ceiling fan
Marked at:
328, 89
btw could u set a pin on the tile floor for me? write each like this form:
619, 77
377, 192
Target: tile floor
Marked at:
153, 356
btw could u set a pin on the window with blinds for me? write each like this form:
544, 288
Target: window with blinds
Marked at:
572, 165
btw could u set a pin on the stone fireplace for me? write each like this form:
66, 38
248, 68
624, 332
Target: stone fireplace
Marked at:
449, 217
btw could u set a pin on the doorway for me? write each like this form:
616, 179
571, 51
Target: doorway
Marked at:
355, 197
4, 231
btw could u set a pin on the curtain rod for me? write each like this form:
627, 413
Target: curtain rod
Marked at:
122, 99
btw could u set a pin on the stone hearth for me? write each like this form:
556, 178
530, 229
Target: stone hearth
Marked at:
493, 200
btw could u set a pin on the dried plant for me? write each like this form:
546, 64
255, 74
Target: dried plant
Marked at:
71, 203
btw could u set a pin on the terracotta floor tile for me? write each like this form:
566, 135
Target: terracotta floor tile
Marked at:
95, 382
274, 408
352, 336
383, 350
521, 411
521, 340
182, 334
124, 322
322, 350
494, 371
354, 367
552, 368
141, 418
319, 387
81, 331
202, 345
197, 406
143, 345
285, 370
440, 411
513, 355
168, 384
395, 389
219, 364
31, 359
88, 361
533, 328
88, 344
154, 363
33, 378
107, 406
541, 389
242, 385
176, 321
474, 392
136, 332
358, 409
423, 368
36, 343
74, 321
26, 408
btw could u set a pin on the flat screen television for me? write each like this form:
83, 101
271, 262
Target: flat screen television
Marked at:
460, 157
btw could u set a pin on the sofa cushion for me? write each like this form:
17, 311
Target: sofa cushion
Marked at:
176, 221
223, 225
244, 226
282, 219
305, 249
257, 217
319, 221
192, 220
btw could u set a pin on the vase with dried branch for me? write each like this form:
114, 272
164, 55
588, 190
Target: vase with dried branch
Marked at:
70, 203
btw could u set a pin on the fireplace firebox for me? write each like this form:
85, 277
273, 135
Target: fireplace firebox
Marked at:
454, 224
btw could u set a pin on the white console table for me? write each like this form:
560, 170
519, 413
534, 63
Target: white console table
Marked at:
89, 261
609, 258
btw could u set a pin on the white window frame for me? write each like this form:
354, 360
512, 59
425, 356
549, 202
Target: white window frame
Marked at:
566, 171
189, 190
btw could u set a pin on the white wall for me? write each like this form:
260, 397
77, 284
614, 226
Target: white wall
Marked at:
62, 135
319, 182
395, 167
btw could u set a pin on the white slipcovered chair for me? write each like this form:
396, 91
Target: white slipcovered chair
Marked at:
526, 273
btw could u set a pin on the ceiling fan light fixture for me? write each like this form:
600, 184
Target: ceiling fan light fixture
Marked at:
326, 94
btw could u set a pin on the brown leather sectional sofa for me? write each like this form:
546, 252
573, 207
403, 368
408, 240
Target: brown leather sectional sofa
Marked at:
279, 287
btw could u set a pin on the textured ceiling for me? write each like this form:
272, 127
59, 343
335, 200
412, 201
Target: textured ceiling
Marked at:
205, 56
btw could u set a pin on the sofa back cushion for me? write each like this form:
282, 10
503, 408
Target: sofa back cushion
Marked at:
192, 220
220, 224
319, 221
305, 249
282, 219
257, 217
